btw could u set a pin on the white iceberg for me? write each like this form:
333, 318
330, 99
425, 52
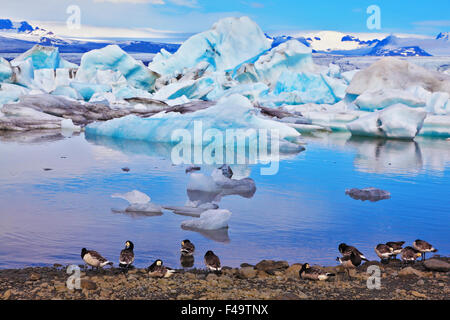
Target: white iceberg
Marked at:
209, 220
397, 121
234, 112
139, 202
228, 43
373, 100
112, 58
5, 70
436, 126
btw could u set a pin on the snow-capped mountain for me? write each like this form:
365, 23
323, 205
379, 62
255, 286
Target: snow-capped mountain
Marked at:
443, 36
17, 37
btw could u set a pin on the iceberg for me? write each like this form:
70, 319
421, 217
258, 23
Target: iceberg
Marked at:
112, 58
209, 220
11, 93
292, 56
436, 126
228, 43
234, 112
393, 73
373, 100
43, 57
397, 121
139, 202
5, 70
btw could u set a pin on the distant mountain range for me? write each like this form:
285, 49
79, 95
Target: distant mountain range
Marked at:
17, 37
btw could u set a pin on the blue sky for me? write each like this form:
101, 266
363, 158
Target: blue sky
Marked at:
412, 16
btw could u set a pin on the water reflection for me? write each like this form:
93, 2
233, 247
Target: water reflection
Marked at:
218, 235
137, 214
32, 137
187, 261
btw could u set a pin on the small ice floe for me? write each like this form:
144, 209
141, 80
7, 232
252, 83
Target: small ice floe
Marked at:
209, 220
139, 202
371, 194
192, 209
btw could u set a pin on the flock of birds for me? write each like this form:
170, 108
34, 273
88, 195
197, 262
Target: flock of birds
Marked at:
351, 258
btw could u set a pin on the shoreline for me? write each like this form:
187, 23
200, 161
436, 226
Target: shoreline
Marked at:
267, 280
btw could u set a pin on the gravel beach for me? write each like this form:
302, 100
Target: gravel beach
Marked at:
266, 280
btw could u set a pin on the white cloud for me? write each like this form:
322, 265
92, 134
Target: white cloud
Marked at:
433, 23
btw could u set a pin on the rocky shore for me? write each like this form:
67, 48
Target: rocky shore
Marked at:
266, 280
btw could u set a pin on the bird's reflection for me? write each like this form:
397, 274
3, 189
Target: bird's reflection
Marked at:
187, 261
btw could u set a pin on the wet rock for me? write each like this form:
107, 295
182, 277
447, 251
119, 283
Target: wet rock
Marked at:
88, 284
371, 194
271, 266
126, 169
192, 168
437, 265
418, 294
245, 264
247, 272
410, 271
35, 276
7, 294
291, 296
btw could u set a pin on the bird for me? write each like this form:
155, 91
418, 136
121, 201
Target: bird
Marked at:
410, 254
126, 255
396, 247
312, 273
187, 248
350, 261
94, 259
212, 261
345, 250
384, 252
158, 270
423, 247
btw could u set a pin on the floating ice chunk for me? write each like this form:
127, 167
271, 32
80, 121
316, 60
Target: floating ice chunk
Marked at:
393, 73
397, 121
229, 42
348, 75
334, 70
292, 56
23, 73
139, 202
371, 194
177, 101
133, 197
235, 112
436, 126
209, 220
68, 92
113, 58
5, 70
373, 100
67, 124
43, 57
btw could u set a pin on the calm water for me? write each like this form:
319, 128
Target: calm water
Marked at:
301, 214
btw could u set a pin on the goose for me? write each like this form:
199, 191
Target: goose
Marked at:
94, 259
396, 247
157, 270
410, 254
345, 250
384, 252
187, 248
127, 255
423, 247
212, 261
350, 261
312, 273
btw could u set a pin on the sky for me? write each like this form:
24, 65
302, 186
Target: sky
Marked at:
191, 16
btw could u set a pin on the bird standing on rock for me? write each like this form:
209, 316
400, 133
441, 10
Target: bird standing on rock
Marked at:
312, 273
423, 247
350, 261
346, 250
212, 261
126, 255
94, 259
187, 248
384, 252
396, 247
409, 254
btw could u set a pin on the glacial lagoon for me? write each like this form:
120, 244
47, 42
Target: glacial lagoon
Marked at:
57, 187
